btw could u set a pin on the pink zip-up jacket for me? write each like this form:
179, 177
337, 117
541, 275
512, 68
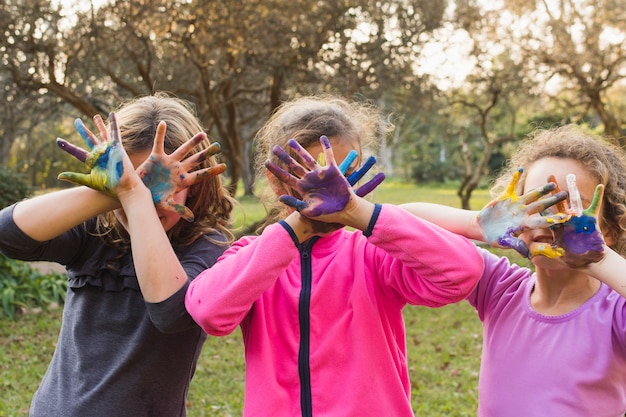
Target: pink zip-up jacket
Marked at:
322, 321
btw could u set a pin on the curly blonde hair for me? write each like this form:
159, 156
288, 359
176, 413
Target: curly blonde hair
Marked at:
305, 119
604, 160
209, 200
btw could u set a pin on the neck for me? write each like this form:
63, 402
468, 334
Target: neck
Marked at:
557, 295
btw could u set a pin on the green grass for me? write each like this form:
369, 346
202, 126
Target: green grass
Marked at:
443, 344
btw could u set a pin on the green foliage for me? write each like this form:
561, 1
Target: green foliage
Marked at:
12, 187
22, 287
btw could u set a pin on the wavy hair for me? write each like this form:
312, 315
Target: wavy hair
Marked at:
209, 200
307, 118
604, 160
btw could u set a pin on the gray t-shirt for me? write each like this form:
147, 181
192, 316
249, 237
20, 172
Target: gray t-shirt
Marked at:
116, 355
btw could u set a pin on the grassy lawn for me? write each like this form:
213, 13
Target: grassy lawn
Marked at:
443, 345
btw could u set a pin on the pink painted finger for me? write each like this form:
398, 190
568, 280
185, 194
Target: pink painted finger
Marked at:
102, 129
115, 130
302, 153
73, 150
282, 175
292, 166
90, 139
562, 206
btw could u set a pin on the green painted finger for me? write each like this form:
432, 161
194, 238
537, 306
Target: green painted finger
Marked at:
595, 203
78, 178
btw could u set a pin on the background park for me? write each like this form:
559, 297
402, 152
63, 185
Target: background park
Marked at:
462, 81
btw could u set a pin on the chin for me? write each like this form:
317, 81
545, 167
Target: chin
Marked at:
544, 262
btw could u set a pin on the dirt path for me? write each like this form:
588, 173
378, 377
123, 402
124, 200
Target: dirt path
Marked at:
48, 267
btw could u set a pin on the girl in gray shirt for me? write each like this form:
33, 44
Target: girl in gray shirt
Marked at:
131, 237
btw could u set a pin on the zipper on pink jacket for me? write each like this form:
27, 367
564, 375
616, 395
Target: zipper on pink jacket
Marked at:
304, 316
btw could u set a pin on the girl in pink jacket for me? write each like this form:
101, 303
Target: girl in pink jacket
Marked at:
320, 307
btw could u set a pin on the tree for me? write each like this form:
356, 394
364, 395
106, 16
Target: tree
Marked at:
582, 45
236, 61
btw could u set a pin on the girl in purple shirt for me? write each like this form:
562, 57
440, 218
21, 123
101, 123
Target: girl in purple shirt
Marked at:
554, 338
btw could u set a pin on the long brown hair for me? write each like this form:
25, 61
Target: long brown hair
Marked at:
208, 200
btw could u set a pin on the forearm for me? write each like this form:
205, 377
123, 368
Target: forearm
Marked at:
220, 297
610, 271
459, 221
47, 216
158, 269
436, 267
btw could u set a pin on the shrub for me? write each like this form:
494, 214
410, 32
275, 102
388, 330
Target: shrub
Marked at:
12, 187
22, 287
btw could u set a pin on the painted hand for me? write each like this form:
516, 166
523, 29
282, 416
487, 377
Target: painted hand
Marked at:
111, 169
105, 158
165, 175
322, 189
579, 240
503, 219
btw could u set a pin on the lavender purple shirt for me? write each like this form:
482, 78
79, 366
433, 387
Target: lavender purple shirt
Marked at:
570, 365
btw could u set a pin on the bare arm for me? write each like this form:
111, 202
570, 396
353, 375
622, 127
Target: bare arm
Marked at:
47, 216
610, 270
455, 220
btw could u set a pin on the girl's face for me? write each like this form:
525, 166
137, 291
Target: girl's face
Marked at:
537, 175
168, 218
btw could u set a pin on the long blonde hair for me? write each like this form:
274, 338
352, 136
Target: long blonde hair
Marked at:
605, 161
208, 200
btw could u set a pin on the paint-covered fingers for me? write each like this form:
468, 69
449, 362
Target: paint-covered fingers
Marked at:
201, 175
282, 175
292, 201
598, 195
199, 157
541, 205
116, 135
515, 243
344, 166
184, 149
369, 186
537, 193
90, 139
172, 206
546, 221
291, 165
73, 150
364, 169
329, 155
544, 249
305, 158
77, 178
